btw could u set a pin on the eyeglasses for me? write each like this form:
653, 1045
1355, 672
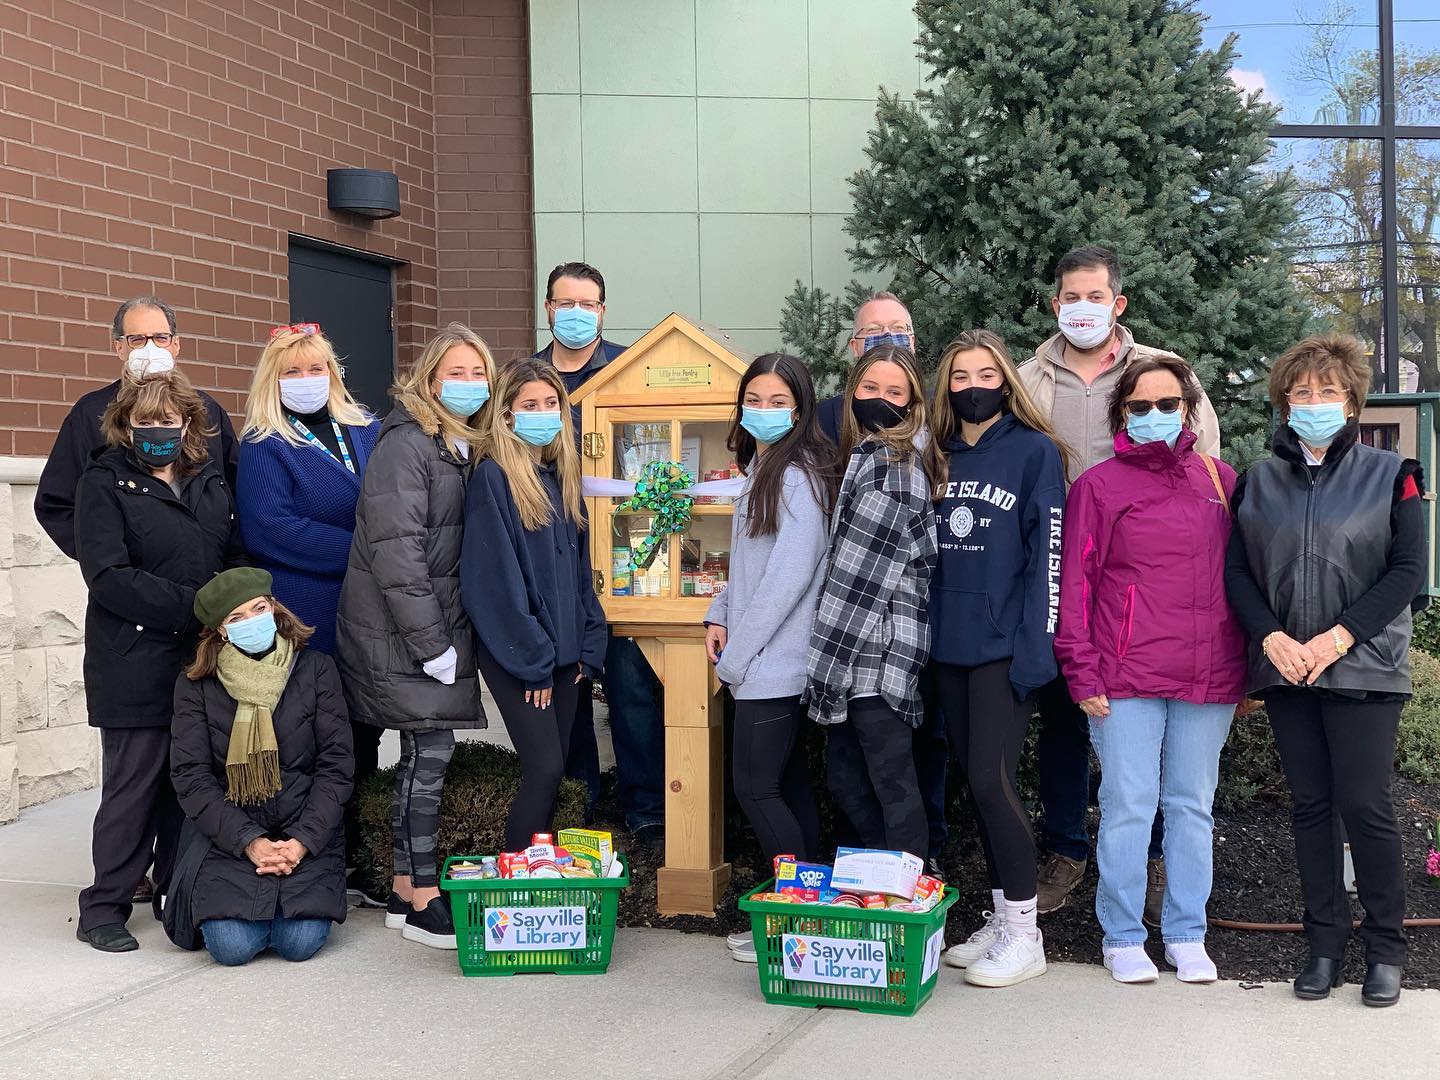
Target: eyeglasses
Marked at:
137, 341
894, 328
593, 306
1305, 396
1140, 407
306, 328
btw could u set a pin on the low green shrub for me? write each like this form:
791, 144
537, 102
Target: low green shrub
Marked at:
1417, 746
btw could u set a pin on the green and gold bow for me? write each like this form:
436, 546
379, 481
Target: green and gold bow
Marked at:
657, 494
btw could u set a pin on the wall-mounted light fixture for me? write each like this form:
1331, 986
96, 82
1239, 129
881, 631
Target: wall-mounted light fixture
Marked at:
369, 193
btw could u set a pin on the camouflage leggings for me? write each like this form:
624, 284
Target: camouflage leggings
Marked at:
415, 817
870, 770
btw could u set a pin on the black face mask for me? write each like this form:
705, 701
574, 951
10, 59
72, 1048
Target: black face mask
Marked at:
156, 446
877, 414
976, 404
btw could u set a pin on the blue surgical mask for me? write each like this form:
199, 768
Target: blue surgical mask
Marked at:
874, 341
575, 327
767, 425
1318, 425
1154, 426
253, 635
538, 428
464, 398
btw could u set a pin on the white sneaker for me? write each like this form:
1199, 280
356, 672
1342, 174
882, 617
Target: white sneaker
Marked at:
738, 940
744, 952
1012, 959
1131, 964
1191, 962
978, 943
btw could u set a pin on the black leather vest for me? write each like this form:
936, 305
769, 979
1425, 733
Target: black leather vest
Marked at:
1316, 545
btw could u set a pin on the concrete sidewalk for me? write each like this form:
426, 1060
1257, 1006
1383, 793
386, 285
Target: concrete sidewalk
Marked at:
371, 1005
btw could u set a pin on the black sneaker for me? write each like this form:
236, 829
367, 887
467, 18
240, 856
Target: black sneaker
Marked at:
395, 912
359, 892
432, 927
932, 867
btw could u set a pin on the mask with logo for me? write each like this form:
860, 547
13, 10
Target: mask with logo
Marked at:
538, 428
305, 395
575, 327
976, 404
767, 425
149, 359
253, 635
1154, 426
877, 414
1318, 425
874, 341
1085, 325
156, 446
464, 398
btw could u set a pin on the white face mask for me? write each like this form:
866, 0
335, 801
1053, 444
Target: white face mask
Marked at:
307, 394
1085, 325
149, 359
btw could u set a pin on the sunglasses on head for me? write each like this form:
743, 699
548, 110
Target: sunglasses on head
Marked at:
1139, 406
306, 328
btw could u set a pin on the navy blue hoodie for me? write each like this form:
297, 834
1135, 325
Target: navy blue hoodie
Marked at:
996, 590
530, 595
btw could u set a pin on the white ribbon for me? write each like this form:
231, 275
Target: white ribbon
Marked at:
602, 487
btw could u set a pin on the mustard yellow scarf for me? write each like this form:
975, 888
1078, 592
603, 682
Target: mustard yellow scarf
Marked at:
252, 762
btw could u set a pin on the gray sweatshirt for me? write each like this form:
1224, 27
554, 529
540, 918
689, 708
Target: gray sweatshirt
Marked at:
769, 605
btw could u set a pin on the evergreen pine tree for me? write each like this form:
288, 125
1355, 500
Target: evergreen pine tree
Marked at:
1054, 123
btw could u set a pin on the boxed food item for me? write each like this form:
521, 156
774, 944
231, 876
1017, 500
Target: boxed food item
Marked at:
791, 873
870, 870
589, 848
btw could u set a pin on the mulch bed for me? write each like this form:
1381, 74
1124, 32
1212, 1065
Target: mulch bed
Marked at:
1255, 881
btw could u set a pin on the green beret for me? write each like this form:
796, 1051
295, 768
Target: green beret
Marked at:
225, 592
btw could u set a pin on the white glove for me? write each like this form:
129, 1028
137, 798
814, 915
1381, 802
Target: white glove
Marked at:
442, 668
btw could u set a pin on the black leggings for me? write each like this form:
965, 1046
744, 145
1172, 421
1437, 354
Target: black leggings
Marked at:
870, 770
541, 737
772, 783
986, 725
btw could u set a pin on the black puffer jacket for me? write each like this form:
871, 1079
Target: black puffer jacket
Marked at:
144, 551
316, 766
400, 604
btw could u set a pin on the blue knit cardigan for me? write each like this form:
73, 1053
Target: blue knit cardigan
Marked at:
296, 506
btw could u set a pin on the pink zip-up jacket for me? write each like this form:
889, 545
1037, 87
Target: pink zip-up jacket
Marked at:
1143, 612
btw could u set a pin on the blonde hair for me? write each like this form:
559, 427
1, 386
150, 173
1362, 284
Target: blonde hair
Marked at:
900, 440
265, 413
417, 383
1017, 400
501, 445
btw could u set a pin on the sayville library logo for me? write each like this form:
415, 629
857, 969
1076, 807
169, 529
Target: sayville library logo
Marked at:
534, 929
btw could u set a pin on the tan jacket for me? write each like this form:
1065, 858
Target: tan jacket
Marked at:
1082, 423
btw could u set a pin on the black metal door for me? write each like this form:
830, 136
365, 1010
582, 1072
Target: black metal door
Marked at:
353, 300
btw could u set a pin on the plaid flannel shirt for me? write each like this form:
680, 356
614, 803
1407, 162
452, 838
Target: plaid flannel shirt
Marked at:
872, 633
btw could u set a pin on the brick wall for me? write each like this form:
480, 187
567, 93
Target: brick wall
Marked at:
173, 148
482, 170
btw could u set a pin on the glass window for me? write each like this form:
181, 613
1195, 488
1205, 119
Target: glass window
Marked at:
1317, 59
1417, 226
1417, 62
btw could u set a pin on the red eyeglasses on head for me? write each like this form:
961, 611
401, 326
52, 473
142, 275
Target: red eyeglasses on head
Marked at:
306, 328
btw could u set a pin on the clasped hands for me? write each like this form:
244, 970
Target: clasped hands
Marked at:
275, 856
1305, 663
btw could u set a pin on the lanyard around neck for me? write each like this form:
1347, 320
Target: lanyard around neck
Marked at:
309, 437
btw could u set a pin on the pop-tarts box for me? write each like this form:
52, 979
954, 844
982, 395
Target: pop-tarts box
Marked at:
801, 875
869, 870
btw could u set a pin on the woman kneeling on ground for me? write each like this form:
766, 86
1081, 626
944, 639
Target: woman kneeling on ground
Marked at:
261, 761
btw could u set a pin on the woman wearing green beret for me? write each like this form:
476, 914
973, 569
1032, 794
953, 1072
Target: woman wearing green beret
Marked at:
261, 761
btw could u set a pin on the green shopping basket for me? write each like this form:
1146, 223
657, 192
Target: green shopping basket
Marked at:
876, 961
514, 926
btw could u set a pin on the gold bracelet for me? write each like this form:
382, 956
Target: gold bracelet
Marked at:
1340, 647
1265, 644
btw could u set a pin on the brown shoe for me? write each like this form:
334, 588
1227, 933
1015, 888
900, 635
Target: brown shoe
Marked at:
1154, 893
1057, 879
144, 892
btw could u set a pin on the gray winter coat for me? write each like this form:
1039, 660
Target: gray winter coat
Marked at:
400, 604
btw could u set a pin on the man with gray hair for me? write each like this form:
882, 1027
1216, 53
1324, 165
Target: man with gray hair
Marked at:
882, 319
146, 341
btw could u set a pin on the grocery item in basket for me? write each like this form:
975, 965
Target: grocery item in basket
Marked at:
514, 864
589, 847
540, 852
846, 899
870, 870
929, 890
543, 838
489, 867
544, 869
577, 872
777, 898
804, 875
465, 869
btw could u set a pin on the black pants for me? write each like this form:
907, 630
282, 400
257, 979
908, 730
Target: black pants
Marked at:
542, 739
138, 820
932, 755
870, 770
1338, 757
366, 740
1062, 756
772, 783
986, 725
415, 812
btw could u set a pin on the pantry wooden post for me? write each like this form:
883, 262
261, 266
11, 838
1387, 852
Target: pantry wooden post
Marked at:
669, 397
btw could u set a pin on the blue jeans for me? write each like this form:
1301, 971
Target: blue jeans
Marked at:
1166, 752
637, 731
233, 942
